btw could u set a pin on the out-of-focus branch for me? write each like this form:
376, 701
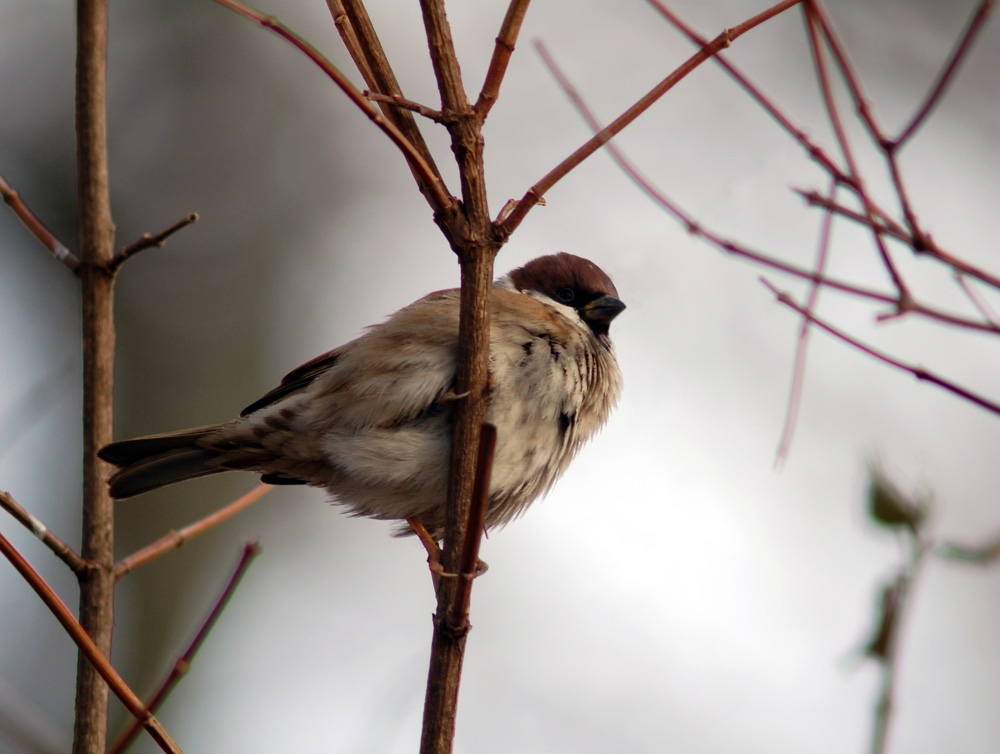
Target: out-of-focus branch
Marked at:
947, 75
888, 226
435, 190
148, 241
534, 194
801, 346
917, 371
37, 227
885, 224
175, 539
62, 550
89, 649
183, 663
502, 51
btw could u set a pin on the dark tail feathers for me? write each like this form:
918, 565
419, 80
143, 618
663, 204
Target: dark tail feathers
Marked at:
147, 463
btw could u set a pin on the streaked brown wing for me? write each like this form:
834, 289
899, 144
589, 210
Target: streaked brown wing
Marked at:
296, 380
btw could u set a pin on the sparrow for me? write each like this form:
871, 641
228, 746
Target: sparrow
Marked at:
371, 421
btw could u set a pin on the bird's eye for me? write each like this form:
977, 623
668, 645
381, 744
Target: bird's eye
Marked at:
566, 295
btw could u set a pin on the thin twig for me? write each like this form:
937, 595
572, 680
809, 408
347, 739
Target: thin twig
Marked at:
801, 346
978, 301
917, 371
89, 649
62, 550
947, 75
817, 17
887, 225
502, 51
516, 216
407, 104
459, 614
733, 247
148, 241
183, 663
435, 190
814, 21
365, 48
37, 227
175, 539
814, 150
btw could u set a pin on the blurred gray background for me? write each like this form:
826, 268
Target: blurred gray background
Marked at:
674, 592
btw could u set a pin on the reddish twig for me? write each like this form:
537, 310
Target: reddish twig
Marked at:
947, 75
37, 227
502, 51
183, 663
363, 45
437, 194
174, 539
753, 90
62, 550
917, 371
538, 190
458, 616
815, 21
729, 246
801, 346
89, 649
888, 226
978, 301
148, 241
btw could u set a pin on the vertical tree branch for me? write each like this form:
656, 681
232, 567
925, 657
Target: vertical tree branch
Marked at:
96, 249
473, 239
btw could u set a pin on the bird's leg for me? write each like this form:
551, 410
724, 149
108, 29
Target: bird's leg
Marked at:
429, 543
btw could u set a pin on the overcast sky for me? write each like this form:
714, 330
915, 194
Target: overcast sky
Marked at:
674, 592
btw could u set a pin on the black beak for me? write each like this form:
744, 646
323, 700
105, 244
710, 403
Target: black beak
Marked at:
602, 310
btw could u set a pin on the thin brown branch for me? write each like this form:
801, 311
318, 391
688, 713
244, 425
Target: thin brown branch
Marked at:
516, 216
183, 663
815, 22
62, 550
97, 235
801, 346
917, 371
148, 241
407, 104
37, 228
433, 187
947, 74
888, 226
89, 649
473, 239
814, 151
365, 48
458, 616
502, 51
817, 17
172, 540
